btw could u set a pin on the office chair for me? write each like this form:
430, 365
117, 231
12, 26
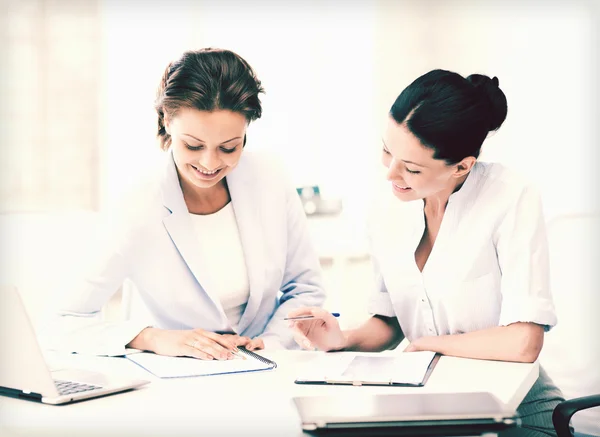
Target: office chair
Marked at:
569, 355
561, 416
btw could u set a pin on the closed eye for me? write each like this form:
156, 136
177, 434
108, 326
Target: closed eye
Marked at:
191, 147
413, 171
225, 150
195, 148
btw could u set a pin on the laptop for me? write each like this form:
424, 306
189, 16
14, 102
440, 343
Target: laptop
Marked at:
405, 413
23, 370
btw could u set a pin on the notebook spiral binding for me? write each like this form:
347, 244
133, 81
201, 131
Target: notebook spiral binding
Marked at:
258, 357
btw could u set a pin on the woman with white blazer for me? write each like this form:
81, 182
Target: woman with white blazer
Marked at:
462, 260
216, 242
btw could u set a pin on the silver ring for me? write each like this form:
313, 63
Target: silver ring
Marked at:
194, 344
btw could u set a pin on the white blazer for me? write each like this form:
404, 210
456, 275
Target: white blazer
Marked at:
153, 243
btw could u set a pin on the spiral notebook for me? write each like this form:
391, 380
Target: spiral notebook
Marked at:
181, 367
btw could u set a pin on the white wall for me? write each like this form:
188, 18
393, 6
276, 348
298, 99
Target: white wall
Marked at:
314, 59
139, 40
332, 70
545, 57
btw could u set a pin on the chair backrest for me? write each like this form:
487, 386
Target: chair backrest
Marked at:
571, 354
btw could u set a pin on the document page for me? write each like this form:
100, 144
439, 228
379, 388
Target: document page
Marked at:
401, 368
176, 367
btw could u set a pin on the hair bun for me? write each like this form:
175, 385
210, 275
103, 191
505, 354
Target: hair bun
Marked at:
490, 91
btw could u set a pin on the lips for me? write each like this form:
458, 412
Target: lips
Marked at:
205, 175
400, 188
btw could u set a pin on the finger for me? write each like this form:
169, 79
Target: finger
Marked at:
225, 341
242, 341
250, 345
236, 340
195, 353
255, 343
213, 348
302, 340
304, 326
258, 343
222, 340
320, 313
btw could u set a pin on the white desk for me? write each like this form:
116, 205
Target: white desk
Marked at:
258, 404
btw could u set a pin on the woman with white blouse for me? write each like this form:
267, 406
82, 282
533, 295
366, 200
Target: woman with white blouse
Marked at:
462, 259
215, 240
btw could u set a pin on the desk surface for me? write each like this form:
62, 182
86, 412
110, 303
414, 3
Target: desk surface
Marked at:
240, 404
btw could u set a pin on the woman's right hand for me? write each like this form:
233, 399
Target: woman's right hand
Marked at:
322, 332
196, 343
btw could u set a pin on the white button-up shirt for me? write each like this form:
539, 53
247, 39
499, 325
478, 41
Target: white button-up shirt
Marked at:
488, 266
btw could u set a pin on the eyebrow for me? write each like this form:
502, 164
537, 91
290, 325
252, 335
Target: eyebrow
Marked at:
202, 141
404, 160
413, 163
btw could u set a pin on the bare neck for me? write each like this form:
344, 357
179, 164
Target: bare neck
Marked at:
435, 205
205, 201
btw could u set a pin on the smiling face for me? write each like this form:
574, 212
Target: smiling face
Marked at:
412, 169
207, 146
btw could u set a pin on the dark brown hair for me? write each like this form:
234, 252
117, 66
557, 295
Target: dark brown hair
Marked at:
450, 114
207, 80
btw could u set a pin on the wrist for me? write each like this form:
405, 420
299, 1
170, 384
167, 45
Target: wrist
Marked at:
145, 340
348, 342
428, 343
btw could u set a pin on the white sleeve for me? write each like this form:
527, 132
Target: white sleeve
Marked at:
302, 284
380, 302
522, 248
78, 325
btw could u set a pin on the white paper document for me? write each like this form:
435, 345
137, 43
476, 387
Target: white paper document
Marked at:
178, 367
405, 368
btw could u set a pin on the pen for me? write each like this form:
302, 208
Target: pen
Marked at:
308, 317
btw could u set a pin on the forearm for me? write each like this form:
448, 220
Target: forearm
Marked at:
376, 334
519, 342
89, 334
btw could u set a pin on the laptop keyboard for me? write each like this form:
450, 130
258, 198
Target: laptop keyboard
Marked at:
70, 387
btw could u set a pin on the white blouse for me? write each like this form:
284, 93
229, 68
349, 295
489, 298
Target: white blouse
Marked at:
223, 259
488, 266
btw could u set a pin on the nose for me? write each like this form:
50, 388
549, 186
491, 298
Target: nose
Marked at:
209, 160
392, 172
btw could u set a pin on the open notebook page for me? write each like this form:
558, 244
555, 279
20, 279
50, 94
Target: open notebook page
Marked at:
177, 367
400, 368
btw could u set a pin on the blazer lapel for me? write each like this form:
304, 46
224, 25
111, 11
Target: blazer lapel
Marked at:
248, 217
179, 226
